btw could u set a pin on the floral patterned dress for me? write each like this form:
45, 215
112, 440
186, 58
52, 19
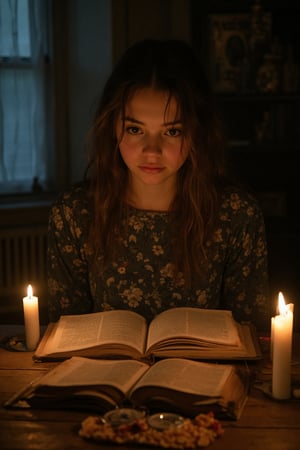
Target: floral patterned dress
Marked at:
141, 280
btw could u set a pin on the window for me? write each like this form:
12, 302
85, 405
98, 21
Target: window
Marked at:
23, 102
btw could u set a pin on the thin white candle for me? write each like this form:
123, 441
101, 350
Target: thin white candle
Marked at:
282, 327
31, 319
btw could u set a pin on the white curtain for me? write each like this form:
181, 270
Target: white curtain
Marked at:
23, 146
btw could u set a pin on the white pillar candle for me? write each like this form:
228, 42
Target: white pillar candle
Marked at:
31, 319
272, 338
282, 328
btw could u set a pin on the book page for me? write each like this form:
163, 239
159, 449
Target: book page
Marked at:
88, 330
78, 371
209, 325
184, 375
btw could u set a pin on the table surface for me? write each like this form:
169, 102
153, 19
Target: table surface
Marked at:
265, 424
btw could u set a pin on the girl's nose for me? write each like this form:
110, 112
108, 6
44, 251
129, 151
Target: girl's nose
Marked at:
152, 145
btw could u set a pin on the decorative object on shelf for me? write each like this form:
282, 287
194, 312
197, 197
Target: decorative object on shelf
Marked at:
260, 28
291, 72
229, 50
246, 57
269, 72
264, 129
268, 75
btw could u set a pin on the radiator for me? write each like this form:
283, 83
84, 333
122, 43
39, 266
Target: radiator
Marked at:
22, 260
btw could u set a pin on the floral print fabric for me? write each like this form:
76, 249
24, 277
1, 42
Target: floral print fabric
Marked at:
141, 278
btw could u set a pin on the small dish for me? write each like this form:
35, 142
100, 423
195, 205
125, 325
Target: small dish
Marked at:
121, 416
164, 420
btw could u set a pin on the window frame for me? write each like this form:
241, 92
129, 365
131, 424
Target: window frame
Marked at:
56, 99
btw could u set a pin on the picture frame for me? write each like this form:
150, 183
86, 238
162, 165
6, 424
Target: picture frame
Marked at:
229, 50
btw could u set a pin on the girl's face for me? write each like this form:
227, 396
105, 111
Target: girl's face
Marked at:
152, 146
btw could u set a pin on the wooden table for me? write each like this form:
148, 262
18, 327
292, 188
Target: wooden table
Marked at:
265, 424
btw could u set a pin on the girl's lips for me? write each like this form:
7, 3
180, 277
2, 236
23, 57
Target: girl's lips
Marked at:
151, 169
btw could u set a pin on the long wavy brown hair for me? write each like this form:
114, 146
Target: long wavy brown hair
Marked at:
171, 66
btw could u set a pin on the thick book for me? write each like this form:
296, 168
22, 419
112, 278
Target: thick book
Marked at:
176, 385
185, 332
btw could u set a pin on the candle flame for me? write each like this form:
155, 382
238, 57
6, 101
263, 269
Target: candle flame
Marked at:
29, 291
282, 307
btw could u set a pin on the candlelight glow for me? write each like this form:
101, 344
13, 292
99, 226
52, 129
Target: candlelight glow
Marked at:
282, 307
31, 319
29, 291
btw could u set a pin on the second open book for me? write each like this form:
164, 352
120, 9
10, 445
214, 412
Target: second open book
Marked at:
192, 333
172, 384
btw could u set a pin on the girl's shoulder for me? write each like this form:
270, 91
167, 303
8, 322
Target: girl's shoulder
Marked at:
76, 194
237, 201
231, 194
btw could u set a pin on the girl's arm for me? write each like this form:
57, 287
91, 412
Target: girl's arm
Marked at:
68, 280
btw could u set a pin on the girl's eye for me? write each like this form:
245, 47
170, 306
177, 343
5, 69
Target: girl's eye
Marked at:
174, 132
133, 130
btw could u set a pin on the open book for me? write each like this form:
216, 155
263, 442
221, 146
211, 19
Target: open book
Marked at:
174, 384
185, 332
